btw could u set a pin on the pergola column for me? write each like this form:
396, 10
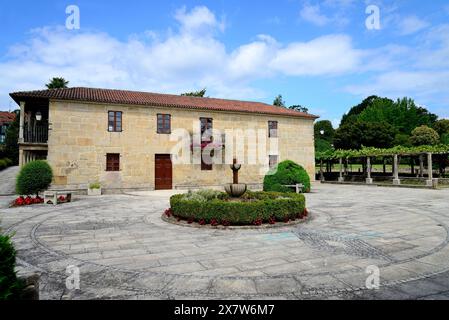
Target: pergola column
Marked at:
421, 165
21, 121
340, 178
369, 180
396, 180
431, 182
321, 171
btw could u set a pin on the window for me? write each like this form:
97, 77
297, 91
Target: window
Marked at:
115, 121
272, 129
113, 162
164, 123
273, 162
206, 136
206, 125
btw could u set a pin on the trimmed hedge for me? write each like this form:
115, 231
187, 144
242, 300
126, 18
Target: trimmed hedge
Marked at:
34, 177
287, 173
10, 286
5, 163
252, 207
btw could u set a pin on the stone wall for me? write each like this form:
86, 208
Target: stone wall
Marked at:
79, 141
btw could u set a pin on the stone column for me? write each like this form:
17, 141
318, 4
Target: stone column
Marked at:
340, 178
321, 171
369, 180
22, 121
421, 165
431, 182
396, 180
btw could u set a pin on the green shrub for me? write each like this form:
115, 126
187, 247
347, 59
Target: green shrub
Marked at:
5, 163
205, 195
10, 286
245, 211
287, 173
34, 177
95, 185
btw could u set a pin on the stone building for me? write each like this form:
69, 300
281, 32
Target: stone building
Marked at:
6, 118
124, 139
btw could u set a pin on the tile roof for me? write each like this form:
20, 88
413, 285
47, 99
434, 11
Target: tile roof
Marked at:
6, 117
157, 99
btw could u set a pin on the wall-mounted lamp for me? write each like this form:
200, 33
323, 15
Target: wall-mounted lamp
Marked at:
38, 116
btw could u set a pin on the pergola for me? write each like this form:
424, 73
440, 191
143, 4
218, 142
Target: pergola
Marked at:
368, 153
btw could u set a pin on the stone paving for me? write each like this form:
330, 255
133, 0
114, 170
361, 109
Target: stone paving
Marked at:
125, 251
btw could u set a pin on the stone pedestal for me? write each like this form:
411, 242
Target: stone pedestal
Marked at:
396, 182
432, 183
369, 180
341, 179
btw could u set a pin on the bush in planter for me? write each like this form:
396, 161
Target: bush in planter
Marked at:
287, 173
95, 186
252, 207
10, 286
34, 177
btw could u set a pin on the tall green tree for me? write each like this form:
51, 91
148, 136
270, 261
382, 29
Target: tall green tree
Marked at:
441, 126
299, 108
324, 130
57, 83
279, 102
351, 116
200, 93
368, 134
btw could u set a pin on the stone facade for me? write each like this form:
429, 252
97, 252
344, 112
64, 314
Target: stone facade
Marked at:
79, 141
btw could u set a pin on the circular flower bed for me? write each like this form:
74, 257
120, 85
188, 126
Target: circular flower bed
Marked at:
253, 208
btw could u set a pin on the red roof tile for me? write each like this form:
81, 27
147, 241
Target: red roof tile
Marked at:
6, 117
157, 99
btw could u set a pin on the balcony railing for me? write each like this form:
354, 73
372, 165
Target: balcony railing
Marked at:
35, 133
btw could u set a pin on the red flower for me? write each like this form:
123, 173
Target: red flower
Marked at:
258, 222
272, 220
28, 200
190, 220
286, 220
61, 198
305, 212
225, 223
202, 222
214, 222
20, 201
168, 212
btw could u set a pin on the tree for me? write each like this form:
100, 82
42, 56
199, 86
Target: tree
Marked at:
325, 127
351, 116
299, 108
368, 134
57, 83
11, 148
441, 126
199, 93
424, 135
279, 102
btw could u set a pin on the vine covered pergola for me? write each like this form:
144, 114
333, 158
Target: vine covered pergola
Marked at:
396, 153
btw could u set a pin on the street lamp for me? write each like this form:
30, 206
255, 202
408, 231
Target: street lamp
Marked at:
322, 132
38, 116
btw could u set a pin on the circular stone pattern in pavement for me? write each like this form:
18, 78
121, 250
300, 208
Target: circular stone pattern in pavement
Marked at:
124, 250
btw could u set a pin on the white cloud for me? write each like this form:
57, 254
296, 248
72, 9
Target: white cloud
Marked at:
189, 58
327, 55
410, 25
312, 14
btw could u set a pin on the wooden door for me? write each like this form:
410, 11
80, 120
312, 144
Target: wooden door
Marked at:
163, 172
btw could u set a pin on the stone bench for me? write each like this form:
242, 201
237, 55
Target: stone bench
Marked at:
51, 197
298, 187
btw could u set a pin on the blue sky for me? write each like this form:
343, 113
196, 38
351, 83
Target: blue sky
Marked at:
318, 54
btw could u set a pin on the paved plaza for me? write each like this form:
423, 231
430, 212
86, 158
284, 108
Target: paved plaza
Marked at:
125, 251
